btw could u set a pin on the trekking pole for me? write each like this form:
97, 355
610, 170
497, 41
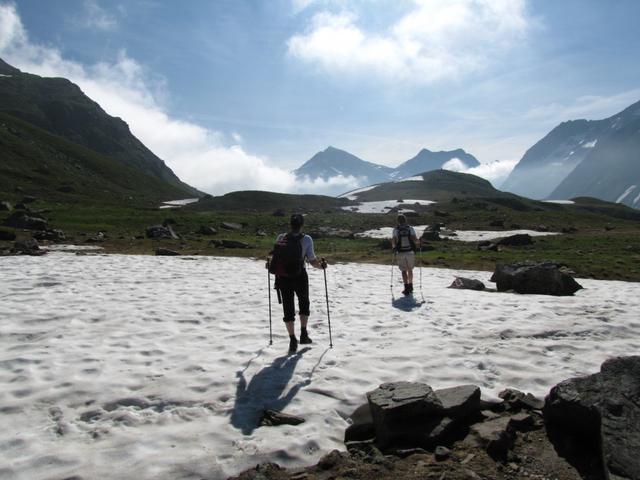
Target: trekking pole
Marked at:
393, 258
269, 290
326, 294
420, 259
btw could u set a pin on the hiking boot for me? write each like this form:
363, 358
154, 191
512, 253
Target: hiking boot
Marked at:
293, 344
406, 290
304, 337
410, 285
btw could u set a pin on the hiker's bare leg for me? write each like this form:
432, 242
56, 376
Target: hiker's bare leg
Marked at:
303, 320
404, 276
409, 274
290, 328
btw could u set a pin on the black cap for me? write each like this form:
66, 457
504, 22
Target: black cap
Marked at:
297, 220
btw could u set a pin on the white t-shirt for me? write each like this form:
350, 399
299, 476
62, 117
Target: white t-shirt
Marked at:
307, 246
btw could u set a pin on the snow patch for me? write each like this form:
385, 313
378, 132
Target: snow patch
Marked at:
417, 178
127, 366
590, 144
383, 206
352, 195
560, 202
178, 203
626, 192
6, 76
459, 235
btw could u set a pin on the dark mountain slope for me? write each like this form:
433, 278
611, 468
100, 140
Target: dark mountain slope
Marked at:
61, 108
427, 160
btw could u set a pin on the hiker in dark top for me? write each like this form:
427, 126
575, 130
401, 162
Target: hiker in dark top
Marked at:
290, 253
404, 242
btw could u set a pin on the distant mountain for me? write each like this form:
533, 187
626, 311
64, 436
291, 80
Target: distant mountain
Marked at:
427, 160
611, 170
333, 162
584, 158
59, 107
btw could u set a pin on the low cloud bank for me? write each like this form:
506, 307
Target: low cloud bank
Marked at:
206, 159
496, 172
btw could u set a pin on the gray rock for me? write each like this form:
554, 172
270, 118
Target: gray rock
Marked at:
442, 453
487, 246
5, 206
459, 402
515, 399
165, 252
206, 230
361, 428
230, 226
467, 284
7, 236
518, 240
229, 244
603, 407
28, 247
495, 436
51, 235
545, 278
22, 220
399, 409
161, 231
273, 418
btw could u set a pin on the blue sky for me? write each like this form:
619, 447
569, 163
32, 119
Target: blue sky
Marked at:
234, 94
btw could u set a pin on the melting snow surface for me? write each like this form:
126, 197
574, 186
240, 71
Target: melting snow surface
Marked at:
115, 366
384, 206
626, 192
459, 235
590, 144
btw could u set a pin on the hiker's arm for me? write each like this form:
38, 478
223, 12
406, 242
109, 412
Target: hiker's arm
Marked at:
321, 263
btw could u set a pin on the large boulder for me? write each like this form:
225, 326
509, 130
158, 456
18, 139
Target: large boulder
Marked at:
160, 232
545, 278
459, 402
22, 220
517, 240
27, 247
463, 283
51, 235
400, 411
604, 407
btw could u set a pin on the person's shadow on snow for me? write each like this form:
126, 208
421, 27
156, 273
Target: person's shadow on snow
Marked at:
265, 391
406, 303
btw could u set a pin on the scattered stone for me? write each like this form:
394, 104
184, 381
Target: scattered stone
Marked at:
230, 226
229, 244
206, 230
544, 278
494, 436
515, 399
442, 453
459, 402
51, 235
160, 232
22, 220
467, 284
165, 252
397, 410
518, 240
261, 233
97, 238
26, 247
605, 409
273, 418
5, 207
7, 236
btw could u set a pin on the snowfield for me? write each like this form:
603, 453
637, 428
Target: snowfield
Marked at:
115, 366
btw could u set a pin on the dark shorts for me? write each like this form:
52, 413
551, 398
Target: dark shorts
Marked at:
289, 287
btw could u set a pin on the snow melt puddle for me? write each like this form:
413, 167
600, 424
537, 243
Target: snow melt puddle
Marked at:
459, 235
384, 206
150, 367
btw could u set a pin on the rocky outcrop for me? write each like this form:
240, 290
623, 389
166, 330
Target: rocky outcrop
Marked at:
467, 284
53, 235
22, 220
27, 247
604, 407
545, 278
158, 232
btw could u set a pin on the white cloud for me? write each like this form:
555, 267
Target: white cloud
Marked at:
455, 165
97, 17
125, 89
437, 39
592, 107
496, 172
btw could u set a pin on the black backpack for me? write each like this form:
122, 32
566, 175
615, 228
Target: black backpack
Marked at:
405, 242
287, 258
